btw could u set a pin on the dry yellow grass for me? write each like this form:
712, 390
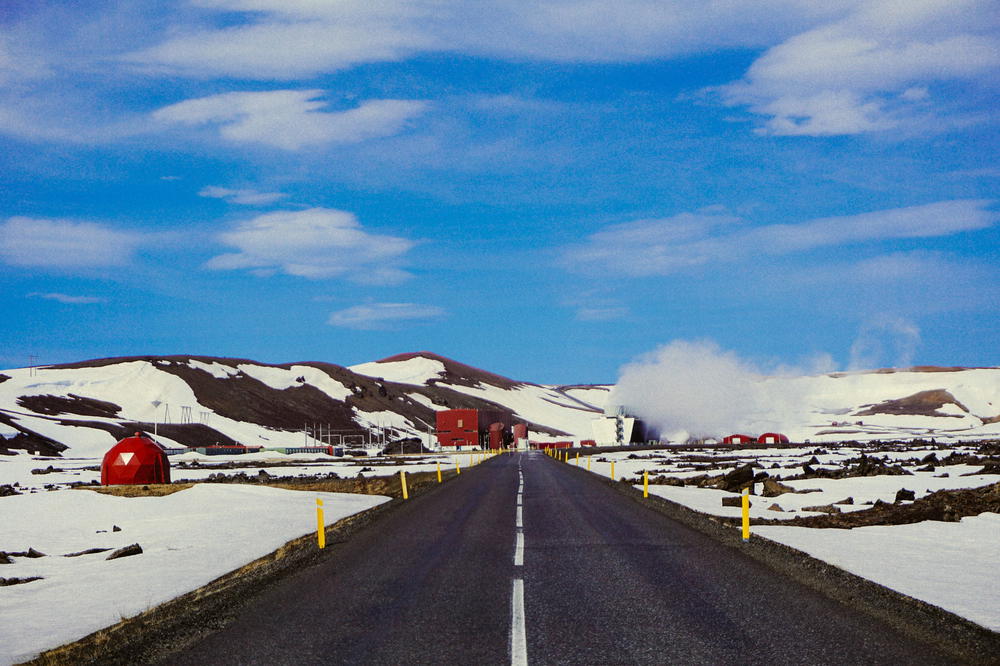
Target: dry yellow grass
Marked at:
148, 490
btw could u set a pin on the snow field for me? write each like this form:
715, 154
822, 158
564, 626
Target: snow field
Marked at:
417, 370
950, 565
188, 538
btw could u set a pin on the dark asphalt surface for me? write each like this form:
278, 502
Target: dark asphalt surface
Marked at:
606, 581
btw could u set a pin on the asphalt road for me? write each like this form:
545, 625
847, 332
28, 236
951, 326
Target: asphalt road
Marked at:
603, 581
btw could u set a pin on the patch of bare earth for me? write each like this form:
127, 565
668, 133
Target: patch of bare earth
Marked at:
924, 403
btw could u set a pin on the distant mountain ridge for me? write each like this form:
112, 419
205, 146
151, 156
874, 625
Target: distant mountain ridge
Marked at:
82, 408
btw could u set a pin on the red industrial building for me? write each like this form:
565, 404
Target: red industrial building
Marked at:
135, 460
739, 439
470, 428
772, 438
541, 446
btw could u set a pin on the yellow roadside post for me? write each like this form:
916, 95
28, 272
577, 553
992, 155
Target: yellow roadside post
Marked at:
402, 483
612, 470
577, 458
746, 514
645, 483
458, 469
320, 532
439, 471
588, 463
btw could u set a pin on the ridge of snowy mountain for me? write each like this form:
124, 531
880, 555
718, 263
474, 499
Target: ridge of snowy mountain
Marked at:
201, 401
81, 409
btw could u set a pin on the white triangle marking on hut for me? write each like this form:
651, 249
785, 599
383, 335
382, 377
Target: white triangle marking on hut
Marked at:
126, 458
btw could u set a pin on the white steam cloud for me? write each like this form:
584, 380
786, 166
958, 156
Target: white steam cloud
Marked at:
696, 389
692, 387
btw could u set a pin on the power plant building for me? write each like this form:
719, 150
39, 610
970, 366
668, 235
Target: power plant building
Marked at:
621, 430
472, 428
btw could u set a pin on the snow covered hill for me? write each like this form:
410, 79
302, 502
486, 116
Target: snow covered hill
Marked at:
201, 401
920, 402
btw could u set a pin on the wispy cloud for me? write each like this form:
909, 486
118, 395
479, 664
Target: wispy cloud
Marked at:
245, 197
669, 245
64, 245
326, 36
885, 340
377, 316
315, 243
291, 119
333, 36
874, 69
67, 299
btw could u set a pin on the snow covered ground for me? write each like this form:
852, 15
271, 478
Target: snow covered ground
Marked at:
951, 565
188, 539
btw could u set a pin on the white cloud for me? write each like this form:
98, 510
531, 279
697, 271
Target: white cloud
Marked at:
375, 316
330, 36
67, 299
291, 119
316, 243
245, 197
871, 70
290, 39
664, 246
64, 244
883, 341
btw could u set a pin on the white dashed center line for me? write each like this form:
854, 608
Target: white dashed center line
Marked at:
518, 638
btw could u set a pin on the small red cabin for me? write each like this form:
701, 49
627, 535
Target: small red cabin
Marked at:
772, 438
135, 460
739, 439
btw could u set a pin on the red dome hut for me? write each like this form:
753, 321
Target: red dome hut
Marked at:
135, 460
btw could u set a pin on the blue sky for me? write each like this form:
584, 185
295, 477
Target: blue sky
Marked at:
546, 190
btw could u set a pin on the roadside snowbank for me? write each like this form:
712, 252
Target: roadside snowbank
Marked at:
950, 565
188, 539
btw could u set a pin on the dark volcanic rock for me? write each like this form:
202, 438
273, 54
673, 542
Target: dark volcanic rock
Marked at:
903, 495
737, 479
127, 551
8, 490
89, 551
943, 505
773, 488
17, 581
